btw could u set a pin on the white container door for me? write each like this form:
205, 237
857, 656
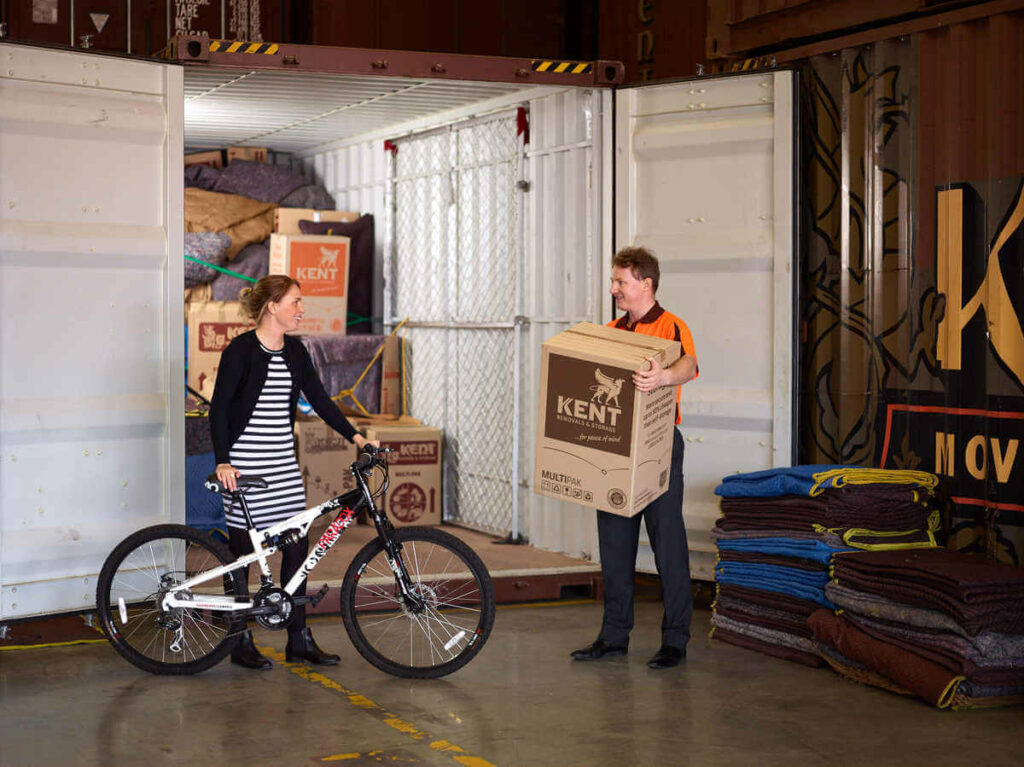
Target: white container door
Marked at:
705, 178
91, 335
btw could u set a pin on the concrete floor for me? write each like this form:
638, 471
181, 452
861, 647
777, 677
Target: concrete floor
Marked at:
521, 702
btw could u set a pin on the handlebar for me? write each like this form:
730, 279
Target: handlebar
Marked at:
369, 455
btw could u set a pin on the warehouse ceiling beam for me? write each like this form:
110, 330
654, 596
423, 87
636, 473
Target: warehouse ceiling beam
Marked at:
365, 61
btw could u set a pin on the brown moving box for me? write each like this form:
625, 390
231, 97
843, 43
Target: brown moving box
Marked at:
250, 153
286, 220
323, 315
211, 326
414, 492
320, 264
325, 457
210, 159
601, 443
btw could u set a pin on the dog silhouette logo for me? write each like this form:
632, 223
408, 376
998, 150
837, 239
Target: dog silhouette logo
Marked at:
329, 258
607, 389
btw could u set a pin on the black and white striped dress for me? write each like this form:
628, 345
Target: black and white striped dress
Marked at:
266, 449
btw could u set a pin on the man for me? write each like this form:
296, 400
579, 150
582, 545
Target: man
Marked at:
635, 276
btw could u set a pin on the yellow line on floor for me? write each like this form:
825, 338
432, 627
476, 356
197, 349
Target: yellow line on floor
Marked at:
379, 712
52, 644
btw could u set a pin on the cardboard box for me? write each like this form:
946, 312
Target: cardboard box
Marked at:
324, 460
320, 264
414, 492
323, 315
213, 159
249, 153
211, 326
601, 443
286, 220
325, 457
391, 376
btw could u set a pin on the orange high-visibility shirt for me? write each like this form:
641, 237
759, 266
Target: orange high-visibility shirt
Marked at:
662, 324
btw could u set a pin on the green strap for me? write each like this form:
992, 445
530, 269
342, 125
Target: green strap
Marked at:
222, 269
353, 319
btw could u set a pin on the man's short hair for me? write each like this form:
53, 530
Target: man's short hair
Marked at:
641, 263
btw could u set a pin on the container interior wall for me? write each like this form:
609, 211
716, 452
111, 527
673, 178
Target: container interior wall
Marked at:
555, 262
91, 339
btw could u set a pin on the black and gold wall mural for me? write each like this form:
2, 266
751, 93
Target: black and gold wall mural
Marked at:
912, 315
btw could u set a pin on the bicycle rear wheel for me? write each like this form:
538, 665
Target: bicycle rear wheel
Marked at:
132, 584
435, 638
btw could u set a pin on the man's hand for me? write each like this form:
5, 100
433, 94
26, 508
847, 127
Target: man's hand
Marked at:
649, 380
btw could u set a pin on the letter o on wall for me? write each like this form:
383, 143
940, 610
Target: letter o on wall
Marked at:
971, 457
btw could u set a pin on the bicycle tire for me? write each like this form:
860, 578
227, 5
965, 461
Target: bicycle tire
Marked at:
142, 633
459, 605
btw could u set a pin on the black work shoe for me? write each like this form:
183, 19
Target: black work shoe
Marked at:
245, 654
667, 657
302, 646
600, 649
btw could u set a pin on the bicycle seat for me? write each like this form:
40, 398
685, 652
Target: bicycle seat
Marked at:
243, 483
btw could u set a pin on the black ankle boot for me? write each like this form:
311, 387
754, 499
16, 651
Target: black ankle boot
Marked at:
302, 646
245, 654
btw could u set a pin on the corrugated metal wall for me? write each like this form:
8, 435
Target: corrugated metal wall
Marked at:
566, 210
91, 337
914, 275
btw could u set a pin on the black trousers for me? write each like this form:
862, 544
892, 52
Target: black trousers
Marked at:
619, 539
292, 558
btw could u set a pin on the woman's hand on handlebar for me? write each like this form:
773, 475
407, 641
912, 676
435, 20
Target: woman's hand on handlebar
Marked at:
227, 474
361, 442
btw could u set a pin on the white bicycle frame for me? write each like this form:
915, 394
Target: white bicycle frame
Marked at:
261, 553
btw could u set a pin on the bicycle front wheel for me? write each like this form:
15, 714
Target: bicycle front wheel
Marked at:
131, 587
449, 620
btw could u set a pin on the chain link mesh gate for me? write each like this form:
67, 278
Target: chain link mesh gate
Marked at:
454, 271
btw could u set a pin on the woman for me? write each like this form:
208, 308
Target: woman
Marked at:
252, 416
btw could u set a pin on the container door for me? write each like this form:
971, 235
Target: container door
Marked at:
705, 177
91, 336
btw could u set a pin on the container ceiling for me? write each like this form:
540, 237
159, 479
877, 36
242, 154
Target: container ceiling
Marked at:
299, 111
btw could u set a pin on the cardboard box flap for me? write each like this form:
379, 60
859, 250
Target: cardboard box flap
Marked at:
623, 355
619, 336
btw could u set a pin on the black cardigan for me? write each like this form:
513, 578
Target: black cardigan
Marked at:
240, 379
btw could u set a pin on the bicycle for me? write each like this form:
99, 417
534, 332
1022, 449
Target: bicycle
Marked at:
416, 602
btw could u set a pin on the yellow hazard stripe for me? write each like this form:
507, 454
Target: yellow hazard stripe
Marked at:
242, 46
562, 67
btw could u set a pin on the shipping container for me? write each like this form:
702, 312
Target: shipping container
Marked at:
501, 188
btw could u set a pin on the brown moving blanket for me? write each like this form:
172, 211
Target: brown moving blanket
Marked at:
244, 220
990, 644
771, 559
772, 599
908, 670
774, 650
978, 593
764, 616
888, 508
771, 636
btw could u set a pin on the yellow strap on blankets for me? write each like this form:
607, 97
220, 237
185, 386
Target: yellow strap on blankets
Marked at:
350, 393
947, 695
858, 476
862, 532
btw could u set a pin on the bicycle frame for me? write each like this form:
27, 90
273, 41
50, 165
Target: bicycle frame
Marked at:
348, 504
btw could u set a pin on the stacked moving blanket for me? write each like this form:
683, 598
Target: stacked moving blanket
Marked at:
779, 533
945, 626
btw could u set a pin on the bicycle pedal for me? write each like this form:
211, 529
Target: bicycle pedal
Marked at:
315, 599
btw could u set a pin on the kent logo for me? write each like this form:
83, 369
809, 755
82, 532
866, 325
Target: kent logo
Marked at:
587, 410
589, 404
215, 336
